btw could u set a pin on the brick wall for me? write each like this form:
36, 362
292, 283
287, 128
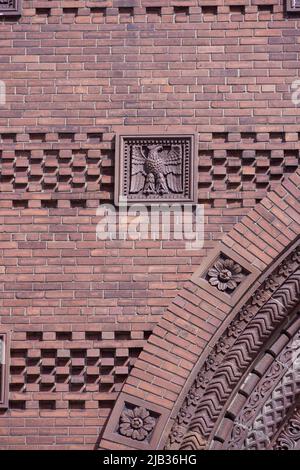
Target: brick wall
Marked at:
81, 309
201, 62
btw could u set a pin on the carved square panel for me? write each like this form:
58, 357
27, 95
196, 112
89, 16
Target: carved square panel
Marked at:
156, 169
293, 6
225, 275
10, 7
135, 423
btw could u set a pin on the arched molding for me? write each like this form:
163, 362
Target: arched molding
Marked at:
241, 345
194, 327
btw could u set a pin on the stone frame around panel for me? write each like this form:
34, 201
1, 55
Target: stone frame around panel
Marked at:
293, 6
11, 8
4, 368
200, 276
189, 173
112, 432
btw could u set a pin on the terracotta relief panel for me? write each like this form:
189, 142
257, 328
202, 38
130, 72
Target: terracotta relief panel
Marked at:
155, 169
10, 7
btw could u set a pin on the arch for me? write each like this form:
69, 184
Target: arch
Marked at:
221, 341
251, 380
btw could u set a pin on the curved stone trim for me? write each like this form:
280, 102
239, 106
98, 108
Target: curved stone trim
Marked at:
237, 348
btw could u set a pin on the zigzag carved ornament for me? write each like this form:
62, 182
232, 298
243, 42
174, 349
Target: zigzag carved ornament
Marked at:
233, 354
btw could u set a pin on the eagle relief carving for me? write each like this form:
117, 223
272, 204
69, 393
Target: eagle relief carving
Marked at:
156, 169
10, 7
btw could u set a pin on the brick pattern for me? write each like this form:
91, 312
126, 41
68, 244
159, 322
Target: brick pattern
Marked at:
212, 65
93, 361
53, 162
65, 378
234, 169
164, 11
245, 164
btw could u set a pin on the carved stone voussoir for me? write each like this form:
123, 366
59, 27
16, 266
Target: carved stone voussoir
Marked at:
289, 438
10, 7
156, 169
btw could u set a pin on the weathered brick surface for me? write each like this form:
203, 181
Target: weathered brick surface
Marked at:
81, 309
204, 63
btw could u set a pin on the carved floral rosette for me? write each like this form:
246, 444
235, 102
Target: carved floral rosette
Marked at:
225, 274
136, 423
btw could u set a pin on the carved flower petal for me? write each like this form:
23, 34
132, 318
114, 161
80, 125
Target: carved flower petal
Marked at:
219, 265
214, 281
135, 434
149, 420
137, 412
222, 285
124, 426
149, 425
213, 272
228, 263
142, 434
231, 284
127, 432
238, 277
125, 419
237, 269
128, 413
143, 413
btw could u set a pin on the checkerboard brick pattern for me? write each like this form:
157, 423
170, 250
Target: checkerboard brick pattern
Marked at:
234, 167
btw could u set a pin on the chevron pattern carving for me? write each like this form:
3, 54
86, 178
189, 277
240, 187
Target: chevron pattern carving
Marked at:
236, 350
193, 440
241, 355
